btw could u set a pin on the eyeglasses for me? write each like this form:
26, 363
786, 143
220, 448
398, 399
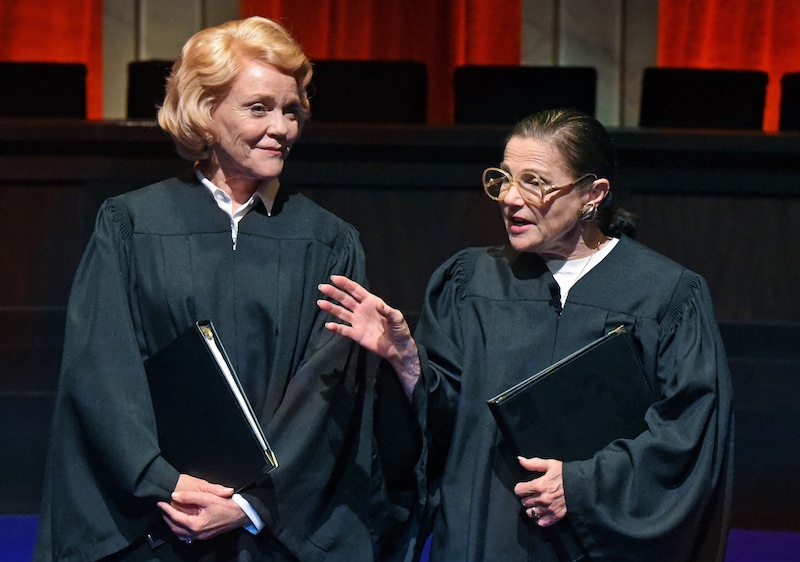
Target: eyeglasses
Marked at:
497, 182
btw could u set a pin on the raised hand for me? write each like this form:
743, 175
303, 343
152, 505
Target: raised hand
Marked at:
369, 321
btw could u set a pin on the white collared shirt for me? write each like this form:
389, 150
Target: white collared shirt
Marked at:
266, 192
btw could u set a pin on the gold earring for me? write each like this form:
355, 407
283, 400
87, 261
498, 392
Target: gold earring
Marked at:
588, 212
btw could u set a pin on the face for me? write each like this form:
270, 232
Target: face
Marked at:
550, 228
255, 126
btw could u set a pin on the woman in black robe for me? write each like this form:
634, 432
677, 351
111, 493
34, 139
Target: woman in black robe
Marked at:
224, 244
492, 317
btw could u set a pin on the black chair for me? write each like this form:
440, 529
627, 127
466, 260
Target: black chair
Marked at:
703, 98
790, 102
43, 90
503, 95
369, 91
147, 81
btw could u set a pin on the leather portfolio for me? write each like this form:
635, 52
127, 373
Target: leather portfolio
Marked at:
578, 405
574, 408
206, 426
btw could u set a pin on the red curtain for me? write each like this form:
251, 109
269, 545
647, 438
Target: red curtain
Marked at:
441, 33
57, 31
736, 34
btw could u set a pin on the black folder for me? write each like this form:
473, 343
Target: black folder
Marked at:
574, 408
580, 404
206, 426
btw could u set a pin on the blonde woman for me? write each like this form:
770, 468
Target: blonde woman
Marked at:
226, 243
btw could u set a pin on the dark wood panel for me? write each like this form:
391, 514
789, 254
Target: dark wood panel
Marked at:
721, 203
745, 247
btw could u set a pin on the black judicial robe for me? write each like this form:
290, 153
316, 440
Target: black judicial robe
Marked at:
161, 258
492, 318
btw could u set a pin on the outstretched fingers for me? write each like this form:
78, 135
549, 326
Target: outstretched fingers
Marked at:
350, 287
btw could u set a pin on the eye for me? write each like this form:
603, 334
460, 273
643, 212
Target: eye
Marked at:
529, 180
291, 111
258, 109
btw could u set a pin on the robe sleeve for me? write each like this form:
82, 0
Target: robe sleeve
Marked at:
441, 359
328, 495
103, 383
649, 498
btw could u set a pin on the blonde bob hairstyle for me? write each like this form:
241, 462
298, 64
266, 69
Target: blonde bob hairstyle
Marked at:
204, 74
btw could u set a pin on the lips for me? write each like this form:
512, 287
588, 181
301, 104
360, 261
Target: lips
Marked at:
517, 225
518, 221
273, 150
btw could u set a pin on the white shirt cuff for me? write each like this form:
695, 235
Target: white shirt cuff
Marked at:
256, 524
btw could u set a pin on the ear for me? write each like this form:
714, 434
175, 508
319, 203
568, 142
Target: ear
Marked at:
598, 191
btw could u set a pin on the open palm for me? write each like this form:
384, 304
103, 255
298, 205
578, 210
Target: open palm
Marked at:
366, 318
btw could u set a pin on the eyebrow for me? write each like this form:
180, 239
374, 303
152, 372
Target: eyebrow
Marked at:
504, 166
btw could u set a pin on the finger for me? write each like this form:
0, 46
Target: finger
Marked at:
337, 295
529, 489
349, 286
199, 499
335, 310
534, 464
172, 517
340, 329
547, 520
218, 490
393, 315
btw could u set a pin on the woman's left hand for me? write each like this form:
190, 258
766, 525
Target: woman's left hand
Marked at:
202, 515
543, 497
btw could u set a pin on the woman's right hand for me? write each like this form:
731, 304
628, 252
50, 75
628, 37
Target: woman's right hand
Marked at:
201, 510
373, 324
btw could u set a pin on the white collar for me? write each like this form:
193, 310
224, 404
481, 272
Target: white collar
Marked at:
267, 191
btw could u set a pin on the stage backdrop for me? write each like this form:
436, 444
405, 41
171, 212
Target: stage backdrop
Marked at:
750, 34
735, 34
56, 31
443, 35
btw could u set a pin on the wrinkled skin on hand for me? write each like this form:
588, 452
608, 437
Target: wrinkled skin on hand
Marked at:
543, 497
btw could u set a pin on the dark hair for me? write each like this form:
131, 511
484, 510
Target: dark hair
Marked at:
587, 149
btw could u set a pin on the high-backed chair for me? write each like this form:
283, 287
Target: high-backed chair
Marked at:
790, 102
147, 81
703, 98
43, 90
369, 91
505, 94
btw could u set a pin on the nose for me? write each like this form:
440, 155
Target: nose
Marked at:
278, 124
511, 194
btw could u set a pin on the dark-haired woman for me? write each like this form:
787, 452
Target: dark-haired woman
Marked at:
494, 316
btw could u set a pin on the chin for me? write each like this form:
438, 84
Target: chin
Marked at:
271, 170
521, 245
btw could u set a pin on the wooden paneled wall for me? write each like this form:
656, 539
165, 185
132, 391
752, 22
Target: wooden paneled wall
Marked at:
723, 204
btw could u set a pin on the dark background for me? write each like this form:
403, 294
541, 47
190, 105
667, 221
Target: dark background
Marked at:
724, 204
